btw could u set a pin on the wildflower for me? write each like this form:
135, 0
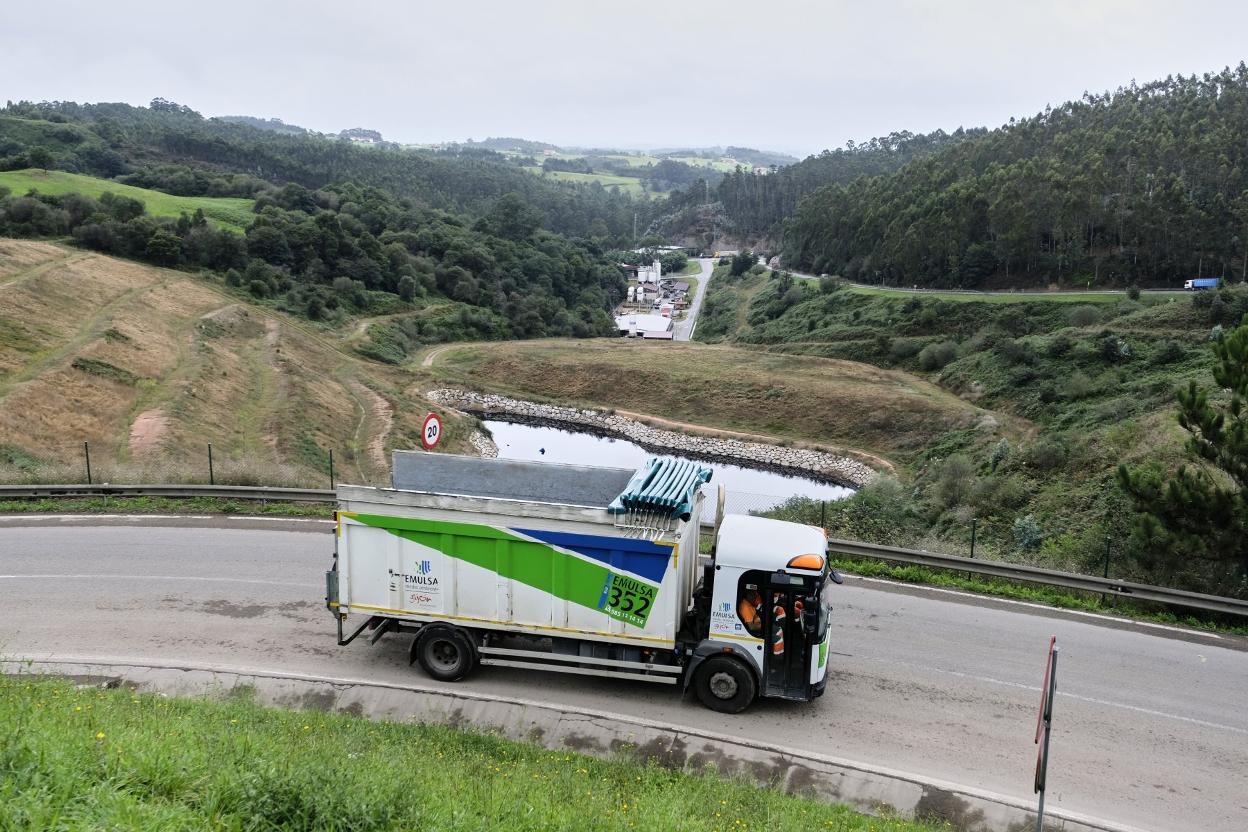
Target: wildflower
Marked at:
99, 735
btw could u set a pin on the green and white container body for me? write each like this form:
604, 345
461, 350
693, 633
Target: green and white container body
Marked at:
547, 569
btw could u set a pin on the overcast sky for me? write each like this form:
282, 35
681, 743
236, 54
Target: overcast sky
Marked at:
791, 75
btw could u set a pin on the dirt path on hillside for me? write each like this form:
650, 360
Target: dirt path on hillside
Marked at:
382, 415
41, 268
148, 428
433, 354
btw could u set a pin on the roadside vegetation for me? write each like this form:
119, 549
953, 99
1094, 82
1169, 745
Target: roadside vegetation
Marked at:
1096, 383
79, 757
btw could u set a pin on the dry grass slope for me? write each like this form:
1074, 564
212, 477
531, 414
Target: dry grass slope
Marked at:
801, 398
149, 365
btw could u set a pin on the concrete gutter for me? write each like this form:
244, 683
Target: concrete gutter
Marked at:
867, 788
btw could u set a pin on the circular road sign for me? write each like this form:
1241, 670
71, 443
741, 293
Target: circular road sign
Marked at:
431, 431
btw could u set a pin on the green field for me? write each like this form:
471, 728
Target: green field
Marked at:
233, 214
628, 184
81, 757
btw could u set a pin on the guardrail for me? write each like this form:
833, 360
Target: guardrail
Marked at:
1047, 577
231, 492
996, 569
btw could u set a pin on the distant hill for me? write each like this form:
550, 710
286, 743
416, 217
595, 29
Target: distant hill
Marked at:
276, 125
759, 158
172, 148
508, 143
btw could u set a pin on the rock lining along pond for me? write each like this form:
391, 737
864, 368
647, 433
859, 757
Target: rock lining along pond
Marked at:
841, 470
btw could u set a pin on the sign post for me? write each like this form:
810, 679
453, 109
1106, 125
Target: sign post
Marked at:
431, 431
1048, 692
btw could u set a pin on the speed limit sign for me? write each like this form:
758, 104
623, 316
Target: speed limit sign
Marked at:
431, 431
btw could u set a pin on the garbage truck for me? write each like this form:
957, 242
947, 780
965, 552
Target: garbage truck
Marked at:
586, 571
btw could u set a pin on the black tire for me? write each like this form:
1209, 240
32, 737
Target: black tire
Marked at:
445, 653
725, 684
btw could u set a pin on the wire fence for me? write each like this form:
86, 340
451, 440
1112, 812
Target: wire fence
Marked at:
94, 465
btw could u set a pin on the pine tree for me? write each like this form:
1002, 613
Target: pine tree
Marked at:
1197, 519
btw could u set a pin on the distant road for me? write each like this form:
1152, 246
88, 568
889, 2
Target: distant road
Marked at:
1024, 294
1150, 728
683, 330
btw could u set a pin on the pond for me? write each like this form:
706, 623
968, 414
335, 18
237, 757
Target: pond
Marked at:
749, 489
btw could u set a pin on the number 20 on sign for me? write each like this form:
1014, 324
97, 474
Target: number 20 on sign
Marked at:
431, 431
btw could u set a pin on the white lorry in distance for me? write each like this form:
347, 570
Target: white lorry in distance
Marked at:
580, 570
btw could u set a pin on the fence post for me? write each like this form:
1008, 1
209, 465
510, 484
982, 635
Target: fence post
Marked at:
974, 520
823, 515
212, 480
86, 452
331, 469
1105, 571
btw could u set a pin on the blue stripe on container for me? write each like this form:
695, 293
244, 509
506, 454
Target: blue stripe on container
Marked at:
640, 557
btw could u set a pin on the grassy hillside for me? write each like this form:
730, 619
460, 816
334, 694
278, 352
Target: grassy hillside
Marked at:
792, 398
230, 213
1096, 380
83, 758
626, 184
149, 365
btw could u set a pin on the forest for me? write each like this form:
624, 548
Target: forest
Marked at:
1144, 185
170, 147
348, 249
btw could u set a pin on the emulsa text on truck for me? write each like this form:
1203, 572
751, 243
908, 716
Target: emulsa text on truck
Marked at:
582, 570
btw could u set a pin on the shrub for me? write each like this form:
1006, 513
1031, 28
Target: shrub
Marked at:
953, 482
998, 493
1015, 352
1084, 316
1133, 292
1059, 346
1167, 352
1113, 349
903, 348
935, 356
999, 452
1078, 386
1049, 453
1027, 533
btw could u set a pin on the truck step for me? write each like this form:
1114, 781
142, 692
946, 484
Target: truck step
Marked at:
582, 671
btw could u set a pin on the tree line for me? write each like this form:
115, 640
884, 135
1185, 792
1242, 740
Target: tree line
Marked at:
1145, 184
352, 249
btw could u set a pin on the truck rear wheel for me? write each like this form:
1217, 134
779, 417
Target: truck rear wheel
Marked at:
445, 653
726, 685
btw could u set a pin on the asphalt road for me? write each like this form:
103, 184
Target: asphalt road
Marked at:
1150, 726
683, 330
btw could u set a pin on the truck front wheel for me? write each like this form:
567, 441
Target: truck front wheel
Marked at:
445, 653
726, 685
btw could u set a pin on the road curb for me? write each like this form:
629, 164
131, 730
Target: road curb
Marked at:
868, 788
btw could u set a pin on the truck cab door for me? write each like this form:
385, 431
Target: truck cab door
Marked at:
786, 657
